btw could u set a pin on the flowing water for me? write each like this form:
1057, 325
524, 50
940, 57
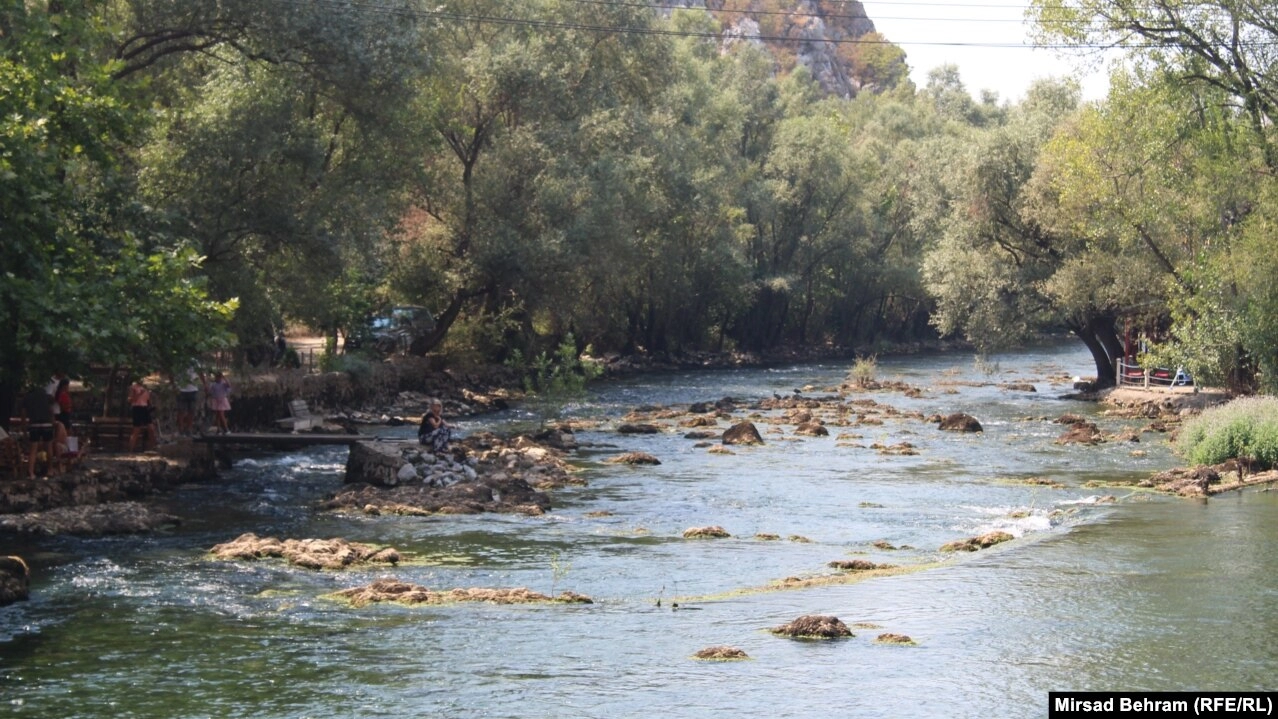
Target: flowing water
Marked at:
1142, 594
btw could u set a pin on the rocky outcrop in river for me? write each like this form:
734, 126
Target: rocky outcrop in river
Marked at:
308, 553
391, 590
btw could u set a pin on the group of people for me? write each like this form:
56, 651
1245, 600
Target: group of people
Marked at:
218, 398
142, 410
47, 411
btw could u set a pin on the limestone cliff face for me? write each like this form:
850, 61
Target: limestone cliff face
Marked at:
811, 33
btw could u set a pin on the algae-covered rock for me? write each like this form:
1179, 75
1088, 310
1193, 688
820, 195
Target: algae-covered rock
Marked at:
897, 639
858, 565
638, 428
1081, 433
814, 626
392, 590
633, 458
972, 544
308, 553
712, 532
721, 654
742, 433
960, 422
812, 429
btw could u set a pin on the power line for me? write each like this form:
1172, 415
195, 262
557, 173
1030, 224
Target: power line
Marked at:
823, 16
717, 36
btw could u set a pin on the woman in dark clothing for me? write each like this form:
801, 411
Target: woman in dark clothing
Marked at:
434, 430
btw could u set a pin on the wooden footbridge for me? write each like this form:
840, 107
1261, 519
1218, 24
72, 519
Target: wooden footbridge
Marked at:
284, 440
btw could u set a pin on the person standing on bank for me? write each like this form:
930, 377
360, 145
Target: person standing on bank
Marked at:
39, 417
62, 396
140, 409
219, 394
187, 397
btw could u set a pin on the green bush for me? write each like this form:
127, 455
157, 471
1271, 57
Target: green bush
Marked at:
1245, 428
864, 370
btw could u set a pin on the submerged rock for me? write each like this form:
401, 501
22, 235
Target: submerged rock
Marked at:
972, 544
1081, 433
633, 458
898, 639
1186, 481
712, 532
812, 429
960, 422
742, 433
638, 429
392, 590
721, 654
858, 565
90, 520
308, 553
814, 626
15, 580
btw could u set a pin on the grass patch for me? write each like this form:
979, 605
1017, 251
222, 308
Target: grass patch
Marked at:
1244, 429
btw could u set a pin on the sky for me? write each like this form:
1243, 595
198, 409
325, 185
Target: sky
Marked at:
912, 24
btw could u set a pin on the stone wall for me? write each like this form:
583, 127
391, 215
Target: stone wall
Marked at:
375, 463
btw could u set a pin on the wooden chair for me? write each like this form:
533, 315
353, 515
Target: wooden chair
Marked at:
73, 452
300, 417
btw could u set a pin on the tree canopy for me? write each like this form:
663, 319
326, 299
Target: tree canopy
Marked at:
178, 177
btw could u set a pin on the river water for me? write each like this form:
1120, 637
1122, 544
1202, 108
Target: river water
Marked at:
1146, 593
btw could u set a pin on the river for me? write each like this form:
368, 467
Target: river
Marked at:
1146, 593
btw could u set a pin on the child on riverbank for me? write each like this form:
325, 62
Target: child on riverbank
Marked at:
219, 394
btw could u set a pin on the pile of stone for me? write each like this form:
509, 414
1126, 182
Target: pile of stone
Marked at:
426, 468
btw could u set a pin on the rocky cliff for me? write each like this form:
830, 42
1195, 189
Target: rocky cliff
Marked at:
836, 41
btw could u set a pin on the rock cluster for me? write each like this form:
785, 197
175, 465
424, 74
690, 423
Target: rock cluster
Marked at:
393, 590
308, 553
483, 473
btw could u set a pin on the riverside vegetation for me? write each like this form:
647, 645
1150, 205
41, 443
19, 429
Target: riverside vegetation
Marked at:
626, 175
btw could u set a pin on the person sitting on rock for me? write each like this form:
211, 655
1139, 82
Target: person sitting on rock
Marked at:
434, 430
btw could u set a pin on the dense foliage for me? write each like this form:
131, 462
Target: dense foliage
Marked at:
538, 170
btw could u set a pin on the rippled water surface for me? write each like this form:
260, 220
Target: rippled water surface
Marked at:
1145, 593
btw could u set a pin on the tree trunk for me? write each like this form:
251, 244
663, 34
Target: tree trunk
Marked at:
1106, 372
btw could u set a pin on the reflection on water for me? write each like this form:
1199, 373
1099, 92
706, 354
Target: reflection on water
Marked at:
1148, 593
